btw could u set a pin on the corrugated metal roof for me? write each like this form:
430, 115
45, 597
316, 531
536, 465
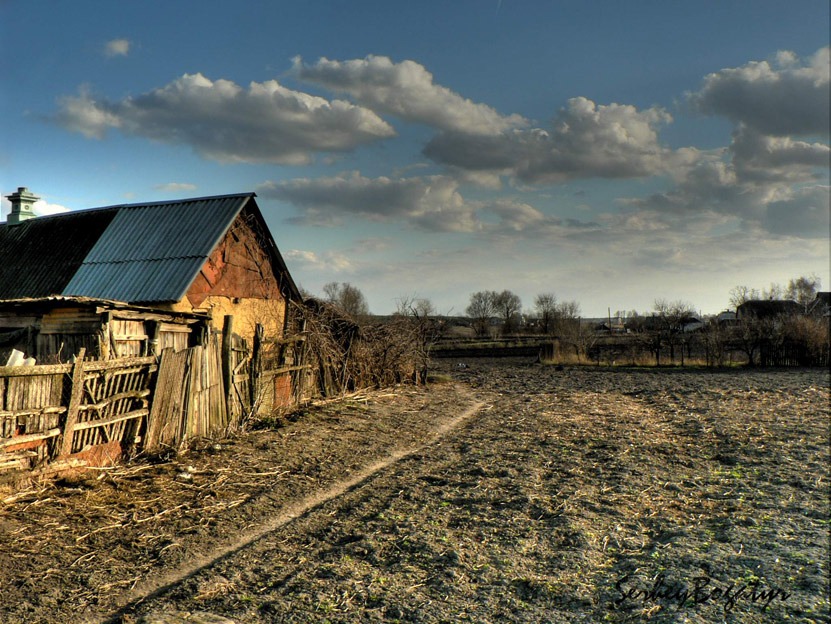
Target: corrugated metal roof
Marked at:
38, 257
139, 253
152, 252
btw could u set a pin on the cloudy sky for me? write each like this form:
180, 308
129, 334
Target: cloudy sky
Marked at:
610, 152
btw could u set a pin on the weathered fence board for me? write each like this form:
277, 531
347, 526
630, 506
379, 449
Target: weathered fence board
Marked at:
165, 428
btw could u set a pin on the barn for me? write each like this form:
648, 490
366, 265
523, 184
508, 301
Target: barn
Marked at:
131, 279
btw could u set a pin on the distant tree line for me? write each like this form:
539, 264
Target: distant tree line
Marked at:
670, 332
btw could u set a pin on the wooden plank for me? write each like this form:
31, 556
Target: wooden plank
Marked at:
129, 394
33, 437
267, 374
102, 422
33, 371
165, 422
74, 403
27, 412
121, 363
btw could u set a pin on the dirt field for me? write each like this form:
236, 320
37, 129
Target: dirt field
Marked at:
515, 493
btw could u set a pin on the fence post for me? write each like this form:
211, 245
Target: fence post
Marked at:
75, 398
228, 362
254, 374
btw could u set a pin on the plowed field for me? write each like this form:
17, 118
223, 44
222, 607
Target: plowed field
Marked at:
513, 493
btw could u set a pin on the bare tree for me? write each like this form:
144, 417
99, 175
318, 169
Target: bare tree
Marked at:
482, 307
348, 298
415, 307
742, 294
803, 290
508, 306
545, 305
571, 330
672, 317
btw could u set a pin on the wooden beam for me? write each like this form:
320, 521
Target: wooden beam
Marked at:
227, 372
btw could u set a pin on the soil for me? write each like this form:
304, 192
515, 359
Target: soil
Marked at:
512, 492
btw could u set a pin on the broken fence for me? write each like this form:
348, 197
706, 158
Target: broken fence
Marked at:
62, 416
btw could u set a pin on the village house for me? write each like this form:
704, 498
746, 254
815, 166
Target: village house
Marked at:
133, 279
762, 309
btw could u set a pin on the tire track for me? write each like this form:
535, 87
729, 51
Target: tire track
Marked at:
159, 585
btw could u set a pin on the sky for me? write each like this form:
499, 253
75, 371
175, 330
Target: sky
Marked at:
611, 153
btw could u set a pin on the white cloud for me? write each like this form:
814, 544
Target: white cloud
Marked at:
175, 187
43, 208
330, 261
785, 97
223, 121
405, 90
586, 140
83, 114
117, 47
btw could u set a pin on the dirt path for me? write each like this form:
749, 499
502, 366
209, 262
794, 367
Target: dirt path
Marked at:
295, 510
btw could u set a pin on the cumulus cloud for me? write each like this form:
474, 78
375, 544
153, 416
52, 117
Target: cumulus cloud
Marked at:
586, 140
117, 47
787, 96
220, 120
805, 214
768, 158
432, 203
755, 192
405, 90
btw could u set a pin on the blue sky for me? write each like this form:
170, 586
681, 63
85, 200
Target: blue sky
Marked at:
613, 153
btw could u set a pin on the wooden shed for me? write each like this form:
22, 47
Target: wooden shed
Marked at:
182, 260
52, 329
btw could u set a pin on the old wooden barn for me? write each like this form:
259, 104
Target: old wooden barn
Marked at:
208, 257
149, 323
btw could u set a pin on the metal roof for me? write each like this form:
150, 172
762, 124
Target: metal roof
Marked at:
137, 253
152, 252
39, 256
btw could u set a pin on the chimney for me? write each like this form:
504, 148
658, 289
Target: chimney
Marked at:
22, 203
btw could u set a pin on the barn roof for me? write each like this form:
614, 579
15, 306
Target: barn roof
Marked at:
138, 253
768, 308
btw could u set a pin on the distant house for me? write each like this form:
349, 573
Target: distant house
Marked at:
188, 261
763, 309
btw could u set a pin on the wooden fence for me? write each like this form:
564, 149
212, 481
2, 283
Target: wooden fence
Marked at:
91, 412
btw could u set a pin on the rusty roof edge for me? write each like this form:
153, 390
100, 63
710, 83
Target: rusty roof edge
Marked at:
244, 198
94, 301
277, 257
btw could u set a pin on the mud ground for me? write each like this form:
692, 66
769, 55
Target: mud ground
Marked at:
513, 493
